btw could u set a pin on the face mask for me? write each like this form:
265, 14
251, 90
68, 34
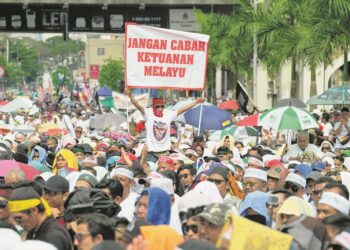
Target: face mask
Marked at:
62, 172
257, 218
138, 188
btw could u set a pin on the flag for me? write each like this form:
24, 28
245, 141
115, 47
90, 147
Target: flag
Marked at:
107, 102
242, 98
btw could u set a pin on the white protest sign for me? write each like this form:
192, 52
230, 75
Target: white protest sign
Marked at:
164, 59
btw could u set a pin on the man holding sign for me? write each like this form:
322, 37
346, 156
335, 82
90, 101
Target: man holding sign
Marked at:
158, 122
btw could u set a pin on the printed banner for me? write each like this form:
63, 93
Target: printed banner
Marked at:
164, 59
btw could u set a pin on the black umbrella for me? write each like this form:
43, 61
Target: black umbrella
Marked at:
291, 102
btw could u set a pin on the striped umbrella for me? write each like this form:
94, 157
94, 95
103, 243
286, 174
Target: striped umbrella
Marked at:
287, 118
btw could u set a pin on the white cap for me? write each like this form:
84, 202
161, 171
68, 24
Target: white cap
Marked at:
163, 183
239, 162
255, 173
336, 201
328, 160
296, 179
122, 171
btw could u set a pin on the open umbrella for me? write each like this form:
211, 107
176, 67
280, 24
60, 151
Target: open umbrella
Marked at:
229, 105
208, 117
46, 126
235, 131
106, 121
295, 102
250, 120
7, 165
26, 129
332, 96
56, 132
287, 118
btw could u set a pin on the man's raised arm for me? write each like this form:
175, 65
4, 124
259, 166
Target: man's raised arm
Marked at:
189, 106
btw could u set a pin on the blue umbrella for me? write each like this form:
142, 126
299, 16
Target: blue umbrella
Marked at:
210, 117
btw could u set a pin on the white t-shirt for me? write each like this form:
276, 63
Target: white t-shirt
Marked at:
327, 128
158, 130
128, 206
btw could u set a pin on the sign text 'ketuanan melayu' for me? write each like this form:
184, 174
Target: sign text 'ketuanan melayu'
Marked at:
163, 58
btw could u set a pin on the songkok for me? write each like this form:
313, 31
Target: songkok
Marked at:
336, 201
296, 179
255, 173
122, 171
89, 161
103, 146
222, 171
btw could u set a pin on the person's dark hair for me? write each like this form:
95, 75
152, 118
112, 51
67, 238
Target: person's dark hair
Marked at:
326, 116
33, 184
324, 179
22, 148
344, 109
344, 191
98, 224
286, 193
339, 157
188, 167
5, 155
119, 221
114, 186
238, 142
90, 169
191, 212
101, 161
338, 220
175, 179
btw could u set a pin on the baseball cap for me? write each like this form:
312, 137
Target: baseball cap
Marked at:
296, 179
88, 178
315, 175
57, 183
215, 213
317, 166
303, 169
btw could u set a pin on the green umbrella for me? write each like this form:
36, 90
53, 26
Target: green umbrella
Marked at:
332, 96
287, 118
235, 131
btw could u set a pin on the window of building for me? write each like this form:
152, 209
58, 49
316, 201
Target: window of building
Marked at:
100, 51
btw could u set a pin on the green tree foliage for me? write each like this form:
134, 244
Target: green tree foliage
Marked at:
111, 73
58, 47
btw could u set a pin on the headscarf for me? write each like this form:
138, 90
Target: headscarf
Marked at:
161, 237
257, 201
330, 145
232, 142
251, 235
71, 159
203, 194
42, 155
159, 206
294, 206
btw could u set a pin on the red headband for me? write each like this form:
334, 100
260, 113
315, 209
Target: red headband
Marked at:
158, 101
166, 160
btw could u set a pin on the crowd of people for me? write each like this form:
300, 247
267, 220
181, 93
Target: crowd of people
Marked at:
160, 189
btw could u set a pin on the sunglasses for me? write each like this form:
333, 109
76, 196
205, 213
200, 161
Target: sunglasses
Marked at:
183, 176
271, 205
159, 106
326, 148
291, 186
317, 192
3, 204
78, 131
249, 184
187, 228
216, 181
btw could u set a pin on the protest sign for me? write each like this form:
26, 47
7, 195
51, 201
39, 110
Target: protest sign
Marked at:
123, 102
164, 59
